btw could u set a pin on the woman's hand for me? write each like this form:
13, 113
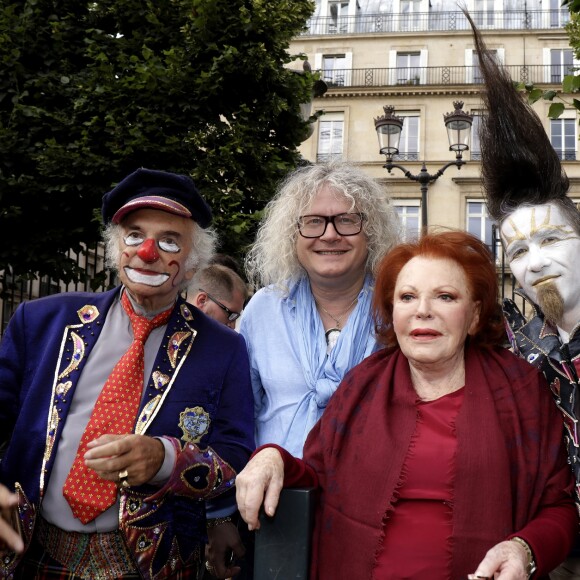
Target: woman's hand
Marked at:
505, 561
260, 482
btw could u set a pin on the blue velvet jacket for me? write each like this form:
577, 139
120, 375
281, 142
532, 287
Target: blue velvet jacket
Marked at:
199, 397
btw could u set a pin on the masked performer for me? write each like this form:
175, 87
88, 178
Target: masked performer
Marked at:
526, 190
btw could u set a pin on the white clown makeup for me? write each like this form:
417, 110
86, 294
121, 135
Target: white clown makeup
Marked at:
543, 250
155, 248
149, 279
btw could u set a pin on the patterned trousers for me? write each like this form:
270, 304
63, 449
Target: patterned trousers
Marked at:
38, 565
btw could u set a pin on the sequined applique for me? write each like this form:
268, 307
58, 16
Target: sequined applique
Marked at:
77, 357
143, 543
174, 344
571, 426
88, 313
133, 506
209, 479
568, 371
160, 380
146, 414
555, 387
532, 357
61, 391
194, 422
186, 312
50, 440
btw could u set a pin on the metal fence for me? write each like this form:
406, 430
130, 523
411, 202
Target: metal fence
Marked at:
436, 21
14, 290
438, 75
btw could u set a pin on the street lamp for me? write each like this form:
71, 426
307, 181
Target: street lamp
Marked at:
389, 127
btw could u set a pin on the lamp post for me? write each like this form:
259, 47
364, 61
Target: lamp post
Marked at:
389, 128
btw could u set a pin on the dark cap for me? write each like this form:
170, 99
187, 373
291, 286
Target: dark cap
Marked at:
149, 188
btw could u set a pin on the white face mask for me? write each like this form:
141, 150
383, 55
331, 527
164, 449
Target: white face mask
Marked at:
544, 250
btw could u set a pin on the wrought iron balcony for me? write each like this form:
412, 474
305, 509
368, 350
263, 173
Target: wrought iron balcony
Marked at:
437, 75
437, 22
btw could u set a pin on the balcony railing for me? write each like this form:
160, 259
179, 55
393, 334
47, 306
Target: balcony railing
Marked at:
437, 21
438, 75
567, 154
327, 157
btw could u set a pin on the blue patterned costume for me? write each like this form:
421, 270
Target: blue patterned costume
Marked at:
198, 397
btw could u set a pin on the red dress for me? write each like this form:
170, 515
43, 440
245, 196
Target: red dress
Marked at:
511, 475
418, 531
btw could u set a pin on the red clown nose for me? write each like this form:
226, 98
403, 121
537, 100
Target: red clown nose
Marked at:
148, 251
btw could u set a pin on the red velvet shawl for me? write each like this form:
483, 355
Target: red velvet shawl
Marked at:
511, 474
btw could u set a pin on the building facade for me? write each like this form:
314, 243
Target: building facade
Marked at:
418, 56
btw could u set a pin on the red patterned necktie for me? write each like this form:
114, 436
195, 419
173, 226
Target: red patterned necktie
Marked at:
115, 412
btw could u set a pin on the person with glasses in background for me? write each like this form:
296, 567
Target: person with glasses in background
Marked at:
315, 254
219, 292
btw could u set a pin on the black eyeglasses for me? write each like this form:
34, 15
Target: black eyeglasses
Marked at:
345, 224
231, 314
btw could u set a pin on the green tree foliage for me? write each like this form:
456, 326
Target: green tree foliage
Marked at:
573, 6
571, 82
90, 91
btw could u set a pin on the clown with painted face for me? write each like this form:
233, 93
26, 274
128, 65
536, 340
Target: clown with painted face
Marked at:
526, 191
155, 261
128, 409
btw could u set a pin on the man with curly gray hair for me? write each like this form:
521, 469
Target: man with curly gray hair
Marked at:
315, 255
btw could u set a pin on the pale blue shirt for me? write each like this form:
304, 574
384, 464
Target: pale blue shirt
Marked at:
270, 327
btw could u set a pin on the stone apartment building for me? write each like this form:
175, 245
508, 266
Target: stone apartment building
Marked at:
417, 56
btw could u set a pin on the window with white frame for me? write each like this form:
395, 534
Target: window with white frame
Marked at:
472, 64
484, 14
478, 221
475, 145
409, 211
334, 69
559, 16
409, 143
408, 68
330, 136
338, 17
477, 74
410, 11
561, 64
563, 137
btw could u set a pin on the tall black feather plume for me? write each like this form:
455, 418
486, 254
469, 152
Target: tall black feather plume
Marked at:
519, 164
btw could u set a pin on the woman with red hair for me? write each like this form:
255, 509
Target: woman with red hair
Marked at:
441, 455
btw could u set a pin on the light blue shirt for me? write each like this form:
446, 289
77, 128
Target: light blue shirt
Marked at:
292, 375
